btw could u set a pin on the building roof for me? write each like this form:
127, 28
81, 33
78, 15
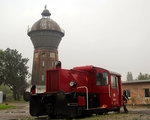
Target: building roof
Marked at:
135, 81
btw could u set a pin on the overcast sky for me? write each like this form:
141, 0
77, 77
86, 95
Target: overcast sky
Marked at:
112, 34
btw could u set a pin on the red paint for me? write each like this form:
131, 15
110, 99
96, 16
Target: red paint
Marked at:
59, 79
33, 91
81, 101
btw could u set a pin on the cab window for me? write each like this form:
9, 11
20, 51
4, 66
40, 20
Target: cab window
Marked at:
101, 79
114, 82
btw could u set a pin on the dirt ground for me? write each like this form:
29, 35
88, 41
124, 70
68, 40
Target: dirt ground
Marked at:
21, 112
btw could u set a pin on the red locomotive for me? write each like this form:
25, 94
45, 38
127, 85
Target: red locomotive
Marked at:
78, 92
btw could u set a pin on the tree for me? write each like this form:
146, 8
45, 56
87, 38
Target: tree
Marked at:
13, 71
1, 66
129, 76
7, 93
143, 76
5, 89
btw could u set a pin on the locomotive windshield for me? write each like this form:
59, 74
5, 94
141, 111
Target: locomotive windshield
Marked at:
101, 79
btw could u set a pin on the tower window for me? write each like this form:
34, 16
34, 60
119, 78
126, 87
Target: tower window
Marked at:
43, 63
52, 55
53, 64
43, 54
36, 55
42, 77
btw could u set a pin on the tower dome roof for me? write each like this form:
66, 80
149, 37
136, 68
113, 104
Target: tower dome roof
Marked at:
46, 23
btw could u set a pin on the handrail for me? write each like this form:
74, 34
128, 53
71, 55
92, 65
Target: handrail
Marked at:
87, 102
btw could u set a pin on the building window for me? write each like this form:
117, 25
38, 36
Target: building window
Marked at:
128, 93
43, 63
42, 77
101, 79
147, 93
114, 82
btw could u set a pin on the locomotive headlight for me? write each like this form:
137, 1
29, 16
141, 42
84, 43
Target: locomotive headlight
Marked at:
73, 84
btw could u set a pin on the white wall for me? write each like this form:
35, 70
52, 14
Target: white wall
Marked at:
1, 97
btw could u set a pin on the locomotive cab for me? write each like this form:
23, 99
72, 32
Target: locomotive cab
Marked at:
78, 92
108, 85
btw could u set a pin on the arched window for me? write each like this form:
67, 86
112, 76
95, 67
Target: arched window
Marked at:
42, 77
43, 63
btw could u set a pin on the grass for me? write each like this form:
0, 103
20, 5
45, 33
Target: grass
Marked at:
135, 119
5, 106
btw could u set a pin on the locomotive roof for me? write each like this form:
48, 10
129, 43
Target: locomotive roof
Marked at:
90, 67
111, 72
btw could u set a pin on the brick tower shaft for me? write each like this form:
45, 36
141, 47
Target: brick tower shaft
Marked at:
45, 35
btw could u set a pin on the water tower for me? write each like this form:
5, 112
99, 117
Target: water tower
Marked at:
45, 35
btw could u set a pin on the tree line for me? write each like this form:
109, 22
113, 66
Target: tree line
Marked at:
14, 71
141, 76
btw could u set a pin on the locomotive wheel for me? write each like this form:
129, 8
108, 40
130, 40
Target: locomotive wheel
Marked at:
27, 96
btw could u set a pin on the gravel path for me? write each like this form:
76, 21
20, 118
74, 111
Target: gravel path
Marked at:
21, 112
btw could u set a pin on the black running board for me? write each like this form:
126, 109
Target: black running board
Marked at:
95, 111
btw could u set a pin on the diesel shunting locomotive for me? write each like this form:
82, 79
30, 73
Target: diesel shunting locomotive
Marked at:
77, 92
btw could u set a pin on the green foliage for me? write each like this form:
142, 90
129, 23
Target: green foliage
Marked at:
135, 119
13, 71
5, 89
1, 67
129, 76
143, 76
5, 106
7, 92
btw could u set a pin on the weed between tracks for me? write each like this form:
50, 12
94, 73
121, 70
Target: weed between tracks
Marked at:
5, 106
